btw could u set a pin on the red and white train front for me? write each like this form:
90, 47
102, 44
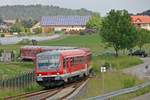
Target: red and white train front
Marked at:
60, 66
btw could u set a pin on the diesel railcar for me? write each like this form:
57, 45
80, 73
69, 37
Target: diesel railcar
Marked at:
30, 52
60, 66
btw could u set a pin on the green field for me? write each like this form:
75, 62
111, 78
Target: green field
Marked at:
94, 42
13, 69
117, 63
90, 41
112, 81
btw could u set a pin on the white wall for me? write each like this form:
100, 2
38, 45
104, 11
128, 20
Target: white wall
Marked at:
68, 28
145, 26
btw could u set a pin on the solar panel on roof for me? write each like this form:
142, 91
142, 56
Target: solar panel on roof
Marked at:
64, 20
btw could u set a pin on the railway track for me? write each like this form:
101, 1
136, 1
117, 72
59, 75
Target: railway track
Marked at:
58, 93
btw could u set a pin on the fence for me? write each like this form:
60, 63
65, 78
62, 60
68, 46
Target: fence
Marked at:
23, 80
110, 95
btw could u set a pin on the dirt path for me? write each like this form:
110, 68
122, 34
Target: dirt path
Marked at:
140, 71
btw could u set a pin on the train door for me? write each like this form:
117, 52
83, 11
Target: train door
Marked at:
66, 65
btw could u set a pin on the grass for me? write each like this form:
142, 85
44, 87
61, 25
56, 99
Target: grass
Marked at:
112, 81
120, 62
11, 92
129, 96
14, 68
90, 41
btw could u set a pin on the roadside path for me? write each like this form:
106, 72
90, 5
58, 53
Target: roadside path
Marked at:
139, 70
143, 97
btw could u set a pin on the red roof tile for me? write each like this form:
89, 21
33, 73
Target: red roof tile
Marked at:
140, 19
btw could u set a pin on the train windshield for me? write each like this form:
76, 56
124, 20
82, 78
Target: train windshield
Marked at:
47, 62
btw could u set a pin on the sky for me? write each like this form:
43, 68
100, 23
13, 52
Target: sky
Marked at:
101, 6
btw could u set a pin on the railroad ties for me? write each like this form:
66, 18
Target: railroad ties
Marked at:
58, 93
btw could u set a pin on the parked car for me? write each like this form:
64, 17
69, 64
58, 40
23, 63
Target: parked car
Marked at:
140, 53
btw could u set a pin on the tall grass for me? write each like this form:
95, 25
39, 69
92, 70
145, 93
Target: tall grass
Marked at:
120, 62
15, 68
112, 81
12, 92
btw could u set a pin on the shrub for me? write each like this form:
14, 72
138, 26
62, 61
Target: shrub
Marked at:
74, 32
37, 30
128, 83
107, 65
59, 32
82, 33
1, 51
2, 35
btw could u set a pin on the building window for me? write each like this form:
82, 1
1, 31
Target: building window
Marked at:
144, 25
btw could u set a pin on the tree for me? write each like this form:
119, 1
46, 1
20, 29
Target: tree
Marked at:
118, 30
95, 22
1, 20
143, 37
29, 23
17, 27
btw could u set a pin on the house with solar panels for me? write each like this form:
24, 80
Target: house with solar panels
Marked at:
65, 23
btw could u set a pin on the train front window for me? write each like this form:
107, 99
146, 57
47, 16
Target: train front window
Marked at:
49, 62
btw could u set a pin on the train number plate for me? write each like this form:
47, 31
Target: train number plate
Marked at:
39, 79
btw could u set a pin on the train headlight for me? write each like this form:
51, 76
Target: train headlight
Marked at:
57, 78
40, 74
58, 73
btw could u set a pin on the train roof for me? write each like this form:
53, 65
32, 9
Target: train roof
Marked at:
75, 52
48, 47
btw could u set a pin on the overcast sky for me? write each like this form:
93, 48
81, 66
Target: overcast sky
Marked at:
102, 6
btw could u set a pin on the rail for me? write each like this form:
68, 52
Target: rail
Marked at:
57, 93
120, 92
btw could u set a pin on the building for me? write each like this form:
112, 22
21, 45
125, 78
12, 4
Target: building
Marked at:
66, 23
141, 21
37, 25
10, 22
3, 28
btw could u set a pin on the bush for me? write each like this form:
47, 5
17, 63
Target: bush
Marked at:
73, 32
82, 33
2, 35
59, 32
1, 51
128, 83
37, 30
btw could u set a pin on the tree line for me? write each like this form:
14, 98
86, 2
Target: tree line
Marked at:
22, 26
144, 13
35, 12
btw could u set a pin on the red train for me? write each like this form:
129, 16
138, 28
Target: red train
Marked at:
30, 52
60, 66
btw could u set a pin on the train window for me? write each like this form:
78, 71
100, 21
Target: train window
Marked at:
65, 63
71, 61
49, 62
89, 57
78, 60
